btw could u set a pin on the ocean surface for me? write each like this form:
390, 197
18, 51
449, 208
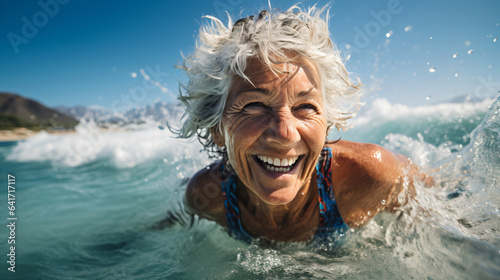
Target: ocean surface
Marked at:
90, 205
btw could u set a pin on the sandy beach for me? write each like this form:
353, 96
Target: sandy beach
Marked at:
24, 133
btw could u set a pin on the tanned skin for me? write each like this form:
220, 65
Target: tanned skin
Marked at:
366, 178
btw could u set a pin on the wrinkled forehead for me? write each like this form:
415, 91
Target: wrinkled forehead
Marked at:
259, 73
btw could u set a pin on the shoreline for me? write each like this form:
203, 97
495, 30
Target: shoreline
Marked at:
22, 133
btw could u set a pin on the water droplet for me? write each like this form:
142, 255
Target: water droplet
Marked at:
369, 213
455, 55
490, 66
470, 51
456, 75
408, 28
467, 43
383, 202
303, 193
430, 37
428, 98
389, 34
160, 127
496, 39
428, 63
432, 69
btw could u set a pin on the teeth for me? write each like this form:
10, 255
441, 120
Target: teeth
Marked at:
278, 169
278, 165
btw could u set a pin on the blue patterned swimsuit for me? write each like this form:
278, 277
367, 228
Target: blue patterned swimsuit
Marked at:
329, 217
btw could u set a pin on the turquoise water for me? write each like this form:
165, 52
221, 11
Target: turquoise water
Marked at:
87, 205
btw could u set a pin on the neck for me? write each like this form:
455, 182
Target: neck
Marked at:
276, 217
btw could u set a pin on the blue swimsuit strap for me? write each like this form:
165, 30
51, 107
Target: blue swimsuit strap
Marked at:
330, 219
229, 191
329, 215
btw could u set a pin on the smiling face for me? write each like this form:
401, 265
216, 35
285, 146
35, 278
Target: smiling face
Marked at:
274, 130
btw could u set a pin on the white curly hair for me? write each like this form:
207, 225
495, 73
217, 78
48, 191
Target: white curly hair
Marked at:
223, 52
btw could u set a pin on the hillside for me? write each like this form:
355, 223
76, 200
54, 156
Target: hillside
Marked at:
17, 111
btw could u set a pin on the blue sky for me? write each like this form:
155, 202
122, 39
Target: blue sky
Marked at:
88, 52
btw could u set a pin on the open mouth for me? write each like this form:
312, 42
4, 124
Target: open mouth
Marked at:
276, 164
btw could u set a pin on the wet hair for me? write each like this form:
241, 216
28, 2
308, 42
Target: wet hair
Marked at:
271, 37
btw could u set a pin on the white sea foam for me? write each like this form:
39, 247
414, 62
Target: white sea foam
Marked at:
122, 148
418, 150
382, 110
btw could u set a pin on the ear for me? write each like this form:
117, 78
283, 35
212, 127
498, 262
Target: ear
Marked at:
217, 136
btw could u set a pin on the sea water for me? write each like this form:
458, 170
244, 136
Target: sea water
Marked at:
88, 206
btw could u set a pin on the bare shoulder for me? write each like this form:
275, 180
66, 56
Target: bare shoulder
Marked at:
366, 179
204, 194
370, 158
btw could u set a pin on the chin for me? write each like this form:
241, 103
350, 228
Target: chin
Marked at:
278, 197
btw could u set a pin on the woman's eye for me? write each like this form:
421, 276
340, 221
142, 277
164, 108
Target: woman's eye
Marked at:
254, 106
306, 107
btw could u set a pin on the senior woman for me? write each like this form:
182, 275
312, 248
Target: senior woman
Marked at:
263, 94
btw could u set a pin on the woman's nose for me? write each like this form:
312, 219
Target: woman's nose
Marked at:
283, 129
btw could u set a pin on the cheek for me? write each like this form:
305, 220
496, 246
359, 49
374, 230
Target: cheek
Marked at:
314, 131
242, 131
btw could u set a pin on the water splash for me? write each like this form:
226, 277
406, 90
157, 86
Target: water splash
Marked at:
124, 147
262, 261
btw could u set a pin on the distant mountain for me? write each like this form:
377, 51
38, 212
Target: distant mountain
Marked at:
18, 111
159, 112
465, 99
96, 113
